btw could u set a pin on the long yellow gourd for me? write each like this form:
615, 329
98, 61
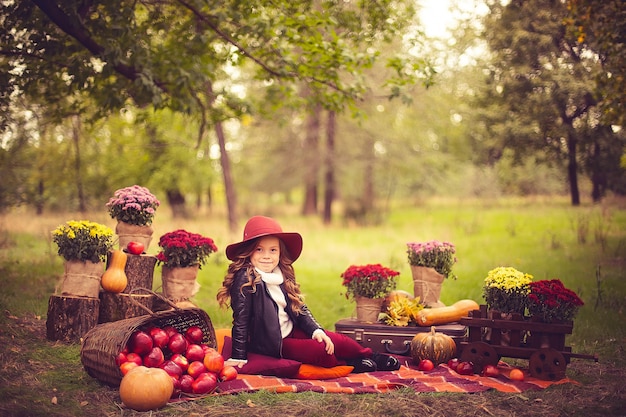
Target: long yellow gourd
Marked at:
114, 278
443, 315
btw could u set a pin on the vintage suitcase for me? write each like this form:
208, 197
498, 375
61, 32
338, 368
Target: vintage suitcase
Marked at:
393, 339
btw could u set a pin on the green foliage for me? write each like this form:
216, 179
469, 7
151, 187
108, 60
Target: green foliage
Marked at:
542, 93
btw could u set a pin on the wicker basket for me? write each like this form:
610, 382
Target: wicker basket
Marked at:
103, 343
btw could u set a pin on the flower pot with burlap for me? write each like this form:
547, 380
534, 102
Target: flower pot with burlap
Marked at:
427, 285
368, 309
180, 283
127, 233
82, 278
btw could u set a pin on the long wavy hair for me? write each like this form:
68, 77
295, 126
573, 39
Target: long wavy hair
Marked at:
242, 261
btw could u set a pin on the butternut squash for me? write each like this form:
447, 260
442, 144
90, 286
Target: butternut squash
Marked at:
114, 278
449, 314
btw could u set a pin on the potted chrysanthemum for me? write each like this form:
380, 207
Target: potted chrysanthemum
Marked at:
431, 262
134, 208
368, 285
84, 246
182, 255
506, 290
550, 301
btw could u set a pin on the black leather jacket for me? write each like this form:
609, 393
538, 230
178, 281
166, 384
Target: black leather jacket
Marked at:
255, 319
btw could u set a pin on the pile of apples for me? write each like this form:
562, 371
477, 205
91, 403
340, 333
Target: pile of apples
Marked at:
193, 366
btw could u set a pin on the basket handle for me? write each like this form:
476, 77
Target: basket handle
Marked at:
164, 299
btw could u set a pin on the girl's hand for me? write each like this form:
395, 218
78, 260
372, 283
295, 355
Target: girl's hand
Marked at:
323, 338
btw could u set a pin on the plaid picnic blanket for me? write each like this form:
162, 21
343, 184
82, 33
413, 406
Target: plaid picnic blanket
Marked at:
440, 379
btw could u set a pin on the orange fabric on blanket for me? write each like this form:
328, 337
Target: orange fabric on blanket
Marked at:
220, 334
307, 371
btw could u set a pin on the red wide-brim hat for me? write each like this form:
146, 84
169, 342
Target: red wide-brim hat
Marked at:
259, 226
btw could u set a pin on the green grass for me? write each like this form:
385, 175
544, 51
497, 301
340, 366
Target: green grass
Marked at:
548, 239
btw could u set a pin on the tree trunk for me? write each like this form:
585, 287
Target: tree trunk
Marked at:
311, 161
82, 206
229, 188
176, 200
329, 186
572, 168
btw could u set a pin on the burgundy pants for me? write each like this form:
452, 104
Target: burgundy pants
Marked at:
300, 347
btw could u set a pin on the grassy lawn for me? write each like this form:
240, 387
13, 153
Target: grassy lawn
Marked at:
585, 247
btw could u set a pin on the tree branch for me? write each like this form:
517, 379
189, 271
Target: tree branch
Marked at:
74, 29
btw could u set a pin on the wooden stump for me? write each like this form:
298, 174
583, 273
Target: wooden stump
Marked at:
114, 307
139, 271
70, 317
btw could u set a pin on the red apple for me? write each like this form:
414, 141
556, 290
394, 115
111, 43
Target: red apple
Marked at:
207, 349
425, 365
133, 357
185, 383
140, 342
172, 368
159, 336
120, 358
177, 343
170, 330
176, 391
180, 360
228, 373
490, 370
194, 353
154, 358
194, 334
214, 362
465, 368
136, 248
196, 368
453, 363
127, 366
204, 383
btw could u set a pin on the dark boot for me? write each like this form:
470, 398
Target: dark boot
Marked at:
362, 365
385, 362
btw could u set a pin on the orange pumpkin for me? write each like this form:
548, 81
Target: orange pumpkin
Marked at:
114, 278
437, 347
144, 388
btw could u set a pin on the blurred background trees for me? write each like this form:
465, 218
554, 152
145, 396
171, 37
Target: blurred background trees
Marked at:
335, 107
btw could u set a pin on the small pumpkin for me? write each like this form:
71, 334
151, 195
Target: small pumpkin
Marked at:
437, 347
144, 388
114, 278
